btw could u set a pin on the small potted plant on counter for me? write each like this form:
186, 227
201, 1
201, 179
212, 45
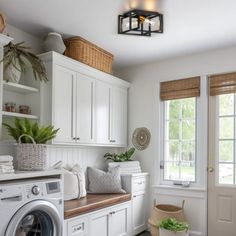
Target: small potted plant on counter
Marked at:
173, 227
16, 59
31, 139
124, 161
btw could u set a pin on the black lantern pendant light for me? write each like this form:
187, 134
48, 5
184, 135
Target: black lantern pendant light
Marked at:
140, 22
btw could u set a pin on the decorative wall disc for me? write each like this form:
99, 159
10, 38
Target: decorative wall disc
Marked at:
141, 138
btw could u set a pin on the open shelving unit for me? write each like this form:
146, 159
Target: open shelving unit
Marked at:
19, 88
19, 115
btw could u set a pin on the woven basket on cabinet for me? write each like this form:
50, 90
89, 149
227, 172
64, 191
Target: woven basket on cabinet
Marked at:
89, 54
31, 156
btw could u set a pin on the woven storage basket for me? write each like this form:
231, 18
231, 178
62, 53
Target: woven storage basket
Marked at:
89, 54
164, 211
31, 156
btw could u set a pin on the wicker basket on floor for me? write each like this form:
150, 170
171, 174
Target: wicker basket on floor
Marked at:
89, 54
31, 156
163, 211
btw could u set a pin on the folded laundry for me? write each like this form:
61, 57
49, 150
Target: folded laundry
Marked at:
5, 158
6, 171
7, 163
6, 168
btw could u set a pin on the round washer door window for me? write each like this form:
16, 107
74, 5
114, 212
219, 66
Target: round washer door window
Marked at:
37, 218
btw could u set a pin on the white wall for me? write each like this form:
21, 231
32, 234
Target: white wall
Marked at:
21, 36
144, 111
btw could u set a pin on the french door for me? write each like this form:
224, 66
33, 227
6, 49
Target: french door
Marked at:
222, 166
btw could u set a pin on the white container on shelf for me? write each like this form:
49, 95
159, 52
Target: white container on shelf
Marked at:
164, 232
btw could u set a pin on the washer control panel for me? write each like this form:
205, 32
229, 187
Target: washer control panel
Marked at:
35, 190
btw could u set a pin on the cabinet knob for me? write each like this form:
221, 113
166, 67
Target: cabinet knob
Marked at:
77, 138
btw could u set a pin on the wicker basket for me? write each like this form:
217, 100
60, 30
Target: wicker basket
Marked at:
2, 22
164, 211
89, 54
31, 156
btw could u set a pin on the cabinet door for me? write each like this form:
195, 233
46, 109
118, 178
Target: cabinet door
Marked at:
118, 115
85, 109
120, 220
139, 212
63, 114
99, 223
102, 112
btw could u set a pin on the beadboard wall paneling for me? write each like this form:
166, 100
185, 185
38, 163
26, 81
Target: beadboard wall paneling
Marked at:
84, 156
69, 155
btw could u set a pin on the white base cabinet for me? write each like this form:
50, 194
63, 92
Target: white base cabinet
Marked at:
110, 221
137, 185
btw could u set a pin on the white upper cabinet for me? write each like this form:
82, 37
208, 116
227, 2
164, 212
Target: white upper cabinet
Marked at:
102, 112
89, 106
118, 116
84, 109
64, 104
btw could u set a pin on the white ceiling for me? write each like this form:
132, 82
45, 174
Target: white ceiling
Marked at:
189, 25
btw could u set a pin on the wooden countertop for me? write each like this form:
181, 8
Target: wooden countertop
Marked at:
92, 202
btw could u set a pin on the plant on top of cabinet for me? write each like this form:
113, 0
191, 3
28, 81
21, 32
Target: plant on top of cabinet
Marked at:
31, 130
16, 58
126, 156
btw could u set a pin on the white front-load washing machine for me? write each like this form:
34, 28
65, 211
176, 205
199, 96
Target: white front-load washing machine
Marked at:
31, 208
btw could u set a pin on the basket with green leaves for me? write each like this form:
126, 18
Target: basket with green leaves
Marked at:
31, 139
173, 227
126, 156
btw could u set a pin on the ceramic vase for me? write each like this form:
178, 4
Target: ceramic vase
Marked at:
12, 74
54, 42
164, 232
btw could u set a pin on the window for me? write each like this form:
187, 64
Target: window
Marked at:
226, 139
180, 139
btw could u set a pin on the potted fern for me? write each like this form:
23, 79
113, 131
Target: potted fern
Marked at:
31, 139
173, 227
17, 58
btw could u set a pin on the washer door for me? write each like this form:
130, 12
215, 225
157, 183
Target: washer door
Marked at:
37, 218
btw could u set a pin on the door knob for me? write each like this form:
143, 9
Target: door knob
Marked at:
210, 169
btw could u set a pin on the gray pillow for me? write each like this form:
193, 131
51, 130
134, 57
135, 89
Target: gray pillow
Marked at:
104, 182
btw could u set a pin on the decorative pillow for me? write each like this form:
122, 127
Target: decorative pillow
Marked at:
71, 190
78, 171
104, 182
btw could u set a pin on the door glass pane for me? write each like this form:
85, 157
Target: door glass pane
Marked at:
226, 125
226, 104
173, 150
226, 151
173, 128
188, 109
188, 151
174, 109
226, 173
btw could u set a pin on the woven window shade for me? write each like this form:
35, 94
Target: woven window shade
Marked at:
222, 84
184, 88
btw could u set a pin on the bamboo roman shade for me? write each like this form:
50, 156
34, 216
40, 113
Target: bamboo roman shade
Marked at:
183, 88
222, 84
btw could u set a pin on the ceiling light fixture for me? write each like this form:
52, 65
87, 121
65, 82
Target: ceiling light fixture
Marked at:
140, 22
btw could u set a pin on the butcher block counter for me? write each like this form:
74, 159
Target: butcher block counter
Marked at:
92, 202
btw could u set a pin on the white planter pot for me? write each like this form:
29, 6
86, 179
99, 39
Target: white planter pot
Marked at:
164, 232
11, 74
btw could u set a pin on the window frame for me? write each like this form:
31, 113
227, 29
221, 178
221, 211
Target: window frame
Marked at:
201, 158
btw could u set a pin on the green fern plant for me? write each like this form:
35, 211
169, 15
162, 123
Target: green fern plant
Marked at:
126, 156
41, 135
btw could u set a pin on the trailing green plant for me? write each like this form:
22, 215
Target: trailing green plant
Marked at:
126, 156
173, 225
41, 135
18, 56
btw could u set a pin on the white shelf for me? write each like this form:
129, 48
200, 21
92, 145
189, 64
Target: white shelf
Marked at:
20, 115
19, 88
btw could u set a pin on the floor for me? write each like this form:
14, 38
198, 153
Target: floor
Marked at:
146, 233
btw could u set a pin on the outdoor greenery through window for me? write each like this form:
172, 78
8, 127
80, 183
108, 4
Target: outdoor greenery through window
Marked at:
227, 139
180, 139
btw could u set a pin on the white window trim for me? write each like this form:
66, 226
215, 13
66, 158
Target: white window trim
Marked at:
201, 139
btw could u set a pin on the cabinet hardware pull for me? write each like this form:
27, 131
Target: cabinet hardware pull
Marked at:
74, 138
77, 138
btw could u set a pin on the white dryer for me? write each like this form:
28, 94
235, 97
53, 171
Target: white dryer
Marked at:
31, 208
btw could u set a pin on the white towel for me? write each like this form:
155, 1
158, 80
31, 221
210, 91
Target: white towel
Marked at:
6, 168
6, 171
9, 163
6, 158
